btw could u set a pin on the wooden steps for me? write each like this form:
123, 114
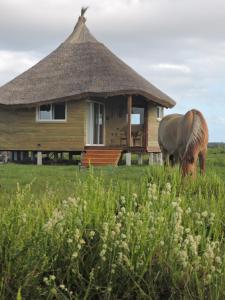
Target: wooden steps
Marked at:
101, 157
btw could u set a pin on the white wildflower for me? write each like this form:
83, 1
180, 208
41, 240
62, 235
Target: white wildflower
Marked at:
52, 277
77, 234
123, 199
113, 233
218, 260
123, 236
134, 195
92, 234
123, 209
102, 253
168, 187
205, 214
72, 201
62, 286
75, 255
46, 281
188, 211
124, 245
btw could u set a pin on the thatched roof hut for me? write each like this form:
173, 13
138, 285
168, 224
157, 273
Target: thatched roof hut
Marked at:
78, 97
80, 67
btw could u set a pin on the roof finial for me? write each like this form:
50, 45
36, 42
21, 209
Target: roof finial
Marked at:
83, 11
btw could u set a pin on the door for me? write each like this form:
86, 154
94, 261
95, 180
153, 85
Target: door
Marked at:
95, 123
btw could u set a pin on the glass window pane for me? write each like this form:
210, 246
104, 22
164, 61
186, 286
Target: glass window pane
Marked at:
59, 111
135, 119
45, 112
159, 112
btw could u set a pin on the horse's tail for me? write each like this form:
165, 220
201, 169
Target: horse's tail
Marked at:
198, 135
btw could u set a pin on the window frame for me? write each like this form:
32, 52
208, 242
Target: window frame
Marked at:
159, 115
52, 111
141, 118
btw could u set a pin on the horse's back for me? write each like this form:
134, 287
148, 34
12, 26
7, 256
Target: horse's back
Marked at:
168, 132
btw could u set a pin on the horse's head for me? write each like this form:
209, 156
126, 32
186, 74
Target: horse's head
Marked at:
188, 167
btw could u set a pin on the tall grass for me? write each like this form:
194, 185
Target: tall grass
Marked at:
162, 239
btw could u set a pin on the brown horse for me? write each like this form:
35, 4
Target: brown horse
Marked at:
183, 139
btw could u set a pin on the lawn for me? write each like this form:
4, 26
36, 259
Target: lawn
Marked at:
135, 232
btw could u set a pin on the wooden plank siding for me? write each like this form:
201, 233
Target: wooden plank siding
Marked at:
115, 121
20, 131
153, 126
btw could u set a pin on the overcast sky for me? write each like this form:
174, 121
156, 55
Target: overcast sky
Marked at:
178, 45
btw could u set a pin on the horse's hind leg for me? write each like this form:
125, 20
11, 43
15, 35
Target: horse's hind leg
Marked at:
202, 159
165, 157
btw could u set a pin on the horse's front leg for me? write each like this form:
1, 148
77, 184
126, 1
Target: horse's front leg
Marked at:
202, 160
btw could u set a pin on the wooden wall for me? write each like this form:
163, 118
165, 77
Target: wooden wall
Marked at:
153, 125
20, 131
115, 120
116, 123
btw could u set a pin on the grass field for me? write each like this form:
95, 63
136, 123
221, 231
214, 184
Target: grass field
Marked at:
112, 233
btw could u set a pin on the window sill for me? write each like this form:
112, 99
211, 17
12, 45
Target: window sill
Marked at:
51, 121
137, 124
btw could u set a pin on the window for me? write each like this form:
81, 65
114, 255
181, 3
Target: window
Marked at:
52, 112
137, 117
159, 112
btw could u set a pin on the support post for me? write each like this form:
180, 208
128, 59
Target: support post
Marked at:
10, 155
150, 159
15, 155
129, 112
155, 158
140, 158
25, 155
145, 142
128, 158
32, 156
82, 155
39, 158
160, 159
70, 156
21, 155
55, 156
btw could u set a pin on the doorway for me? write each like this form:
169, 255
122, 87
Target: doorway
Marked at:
95, 123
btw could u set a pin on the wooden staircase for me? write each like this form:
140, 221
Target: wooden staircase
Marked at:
101, 157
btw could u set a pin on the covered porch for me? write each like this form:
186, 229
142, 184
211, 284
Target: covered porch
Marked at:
127, 124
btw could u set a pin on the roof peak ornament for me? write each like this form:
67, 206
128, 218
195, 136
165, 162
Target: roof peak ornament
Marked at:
81, 19
83, 10
81, 33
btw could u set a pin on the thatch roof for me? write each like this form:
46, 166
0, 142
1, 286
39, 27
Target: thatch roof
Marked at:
80, 67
